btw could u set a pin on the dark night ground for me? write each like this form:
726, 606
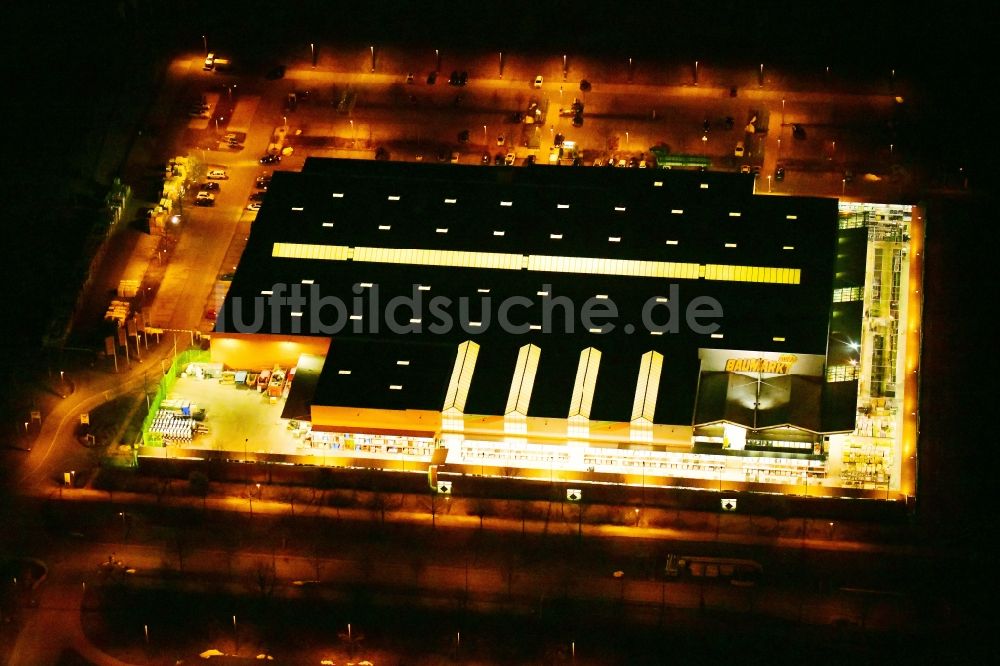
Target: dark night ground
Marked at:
59, 73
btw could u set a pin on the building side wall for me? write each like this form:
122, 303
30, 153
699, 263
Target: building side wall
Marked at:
255, 352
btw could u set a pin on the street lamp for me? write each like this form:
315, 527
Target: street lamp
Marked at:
500, 66
437, 54
486, 139
843, 186
626, 141
372, 47
696, 72
312, 52
353, 137
204, 40
565, 70
630, 70
769, 184
761, 81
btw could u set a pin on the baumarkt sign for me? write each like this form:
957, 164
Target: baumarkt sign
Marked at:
782, 366
751, 362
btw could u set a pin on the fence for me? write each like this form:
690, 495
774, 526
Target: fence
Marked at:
164, 388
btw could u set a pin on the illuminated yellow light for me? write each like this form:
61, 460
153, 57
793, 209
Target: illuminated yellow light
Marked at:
297, 208
393, 197
730, 244
586, 381
267, 292
620, 209
343, 372
614, 239
395, 387
661, 299
704, 186
384, 227
647, 386
356, 317
787, 247
402, 362
506, 203
791, 217
461, 377
366, 285
542, 293
657, 183
777, 339
556, 236
483, 291
442, 230
328, 224
523, 381
541, 263
735, 214
562, 206
338, 195
717, 336
450, 201
601, 296
475, 324
676, 211
308, 281
415, 320
296, 314
535, 327
671, 242
424, 287
593, 330
656, 332
499, 233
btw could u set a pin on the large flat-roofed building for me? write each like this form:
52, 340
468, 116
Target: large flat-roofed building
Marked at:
571, 315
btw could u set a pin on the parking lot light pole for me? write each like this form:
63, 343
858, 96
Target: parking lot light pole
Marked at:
373, 57
500, 66
486, 139
696, 72
204, 41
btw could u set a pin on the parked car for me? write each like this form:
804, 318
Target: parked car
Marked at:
409, 77
798, 132
578, 120
270, 159
486, 158
432, 78
498, 159
779, 174
217, 174
463, 136
739, 150
209, 62
538, 81
529, 160
509, 160
254, 205
262, 182
210, 186
501, 140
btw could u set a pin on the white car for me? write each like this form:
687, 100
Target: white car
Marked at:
538, 81
253, 205
217, 174
509, 160
209, 61
738, 152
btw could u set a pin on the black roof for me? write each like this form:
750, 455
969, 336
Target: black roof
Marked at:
302, 208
